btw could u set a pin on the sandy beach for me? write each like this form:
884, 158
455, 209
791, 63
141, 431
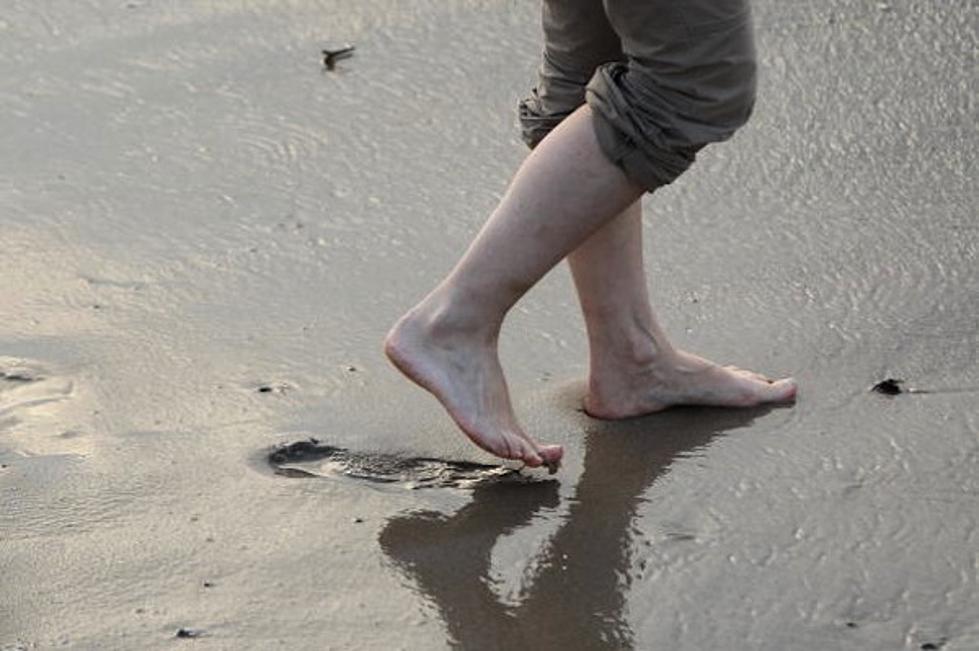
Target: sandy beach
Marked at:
205, 234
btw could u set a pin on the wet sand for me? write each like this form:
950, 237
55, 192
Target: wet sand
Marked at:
205, 235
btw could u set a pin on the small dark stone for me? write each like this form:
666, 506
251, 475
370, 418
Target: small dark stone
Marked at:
851, 624
189, 632
352, 369
358, 520
265, 389
930, 645
208, 584
889, 387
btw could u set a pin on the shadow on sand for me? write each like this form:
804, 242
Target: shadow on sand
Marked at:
575, 595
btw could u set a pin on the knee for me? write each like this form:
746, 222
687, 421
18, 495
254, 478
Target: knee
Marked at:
653, 115
730, 97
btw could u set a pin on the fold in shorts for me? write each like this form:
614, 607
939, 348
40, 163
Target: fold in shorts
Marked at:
663, 78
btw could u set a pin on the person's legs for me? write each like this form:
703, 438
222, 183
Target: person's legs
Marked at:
688, 80
633, 369
447, 343
565, 190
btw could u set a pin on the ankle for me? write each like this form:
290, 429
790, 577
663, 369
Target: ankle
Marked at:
626, 353
445, 317
617, 371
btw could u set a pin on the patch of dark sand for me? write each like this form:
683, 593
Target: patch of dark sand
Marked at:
311, 458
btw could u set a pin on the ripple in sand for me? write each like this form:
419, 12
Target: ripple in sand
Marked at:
310, 458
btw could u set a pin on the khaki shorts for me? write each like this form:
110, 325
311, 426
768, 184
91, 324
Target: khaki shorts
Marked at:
663, 78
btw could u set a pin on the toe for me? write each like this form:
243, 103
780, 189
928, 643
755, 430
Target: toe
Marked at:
535, 455
506, 447
528, 454
551, 455
780, 390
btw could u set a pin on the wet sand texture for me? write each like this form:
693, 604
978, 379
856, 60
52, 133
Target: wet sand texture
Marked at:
205, 233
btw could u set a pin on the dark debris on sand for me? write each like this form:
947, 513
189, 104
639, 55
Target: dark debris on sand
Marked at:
190, 633
330, 57
889, 387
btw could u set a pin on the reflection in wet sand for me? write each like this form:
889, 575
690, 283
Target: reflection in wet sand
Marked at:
576, 595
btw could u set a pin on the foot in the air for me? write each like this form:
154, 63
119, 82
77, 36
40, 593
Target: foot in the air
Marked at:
461, 368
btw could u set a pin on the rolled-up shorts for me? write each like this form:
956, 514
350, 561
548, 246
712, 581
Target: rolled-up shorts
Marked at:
663, 78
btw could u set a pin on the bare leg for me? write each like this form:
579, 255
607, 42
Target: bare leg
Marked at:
564, 191
633, 368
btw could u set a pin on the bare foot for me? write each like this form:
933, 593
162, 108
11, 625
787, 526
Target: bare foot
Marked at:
463, 371
682, 379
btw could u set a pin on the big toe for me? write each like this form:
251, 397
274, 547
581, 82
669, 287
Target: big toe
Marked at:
780, 391
551, 456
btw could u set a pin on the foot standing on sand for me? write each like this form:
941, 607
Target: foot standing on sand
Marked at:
629, 91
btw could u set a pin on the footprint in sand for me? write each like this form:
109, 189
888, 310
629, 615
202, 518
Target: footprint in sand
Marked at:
311, 458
